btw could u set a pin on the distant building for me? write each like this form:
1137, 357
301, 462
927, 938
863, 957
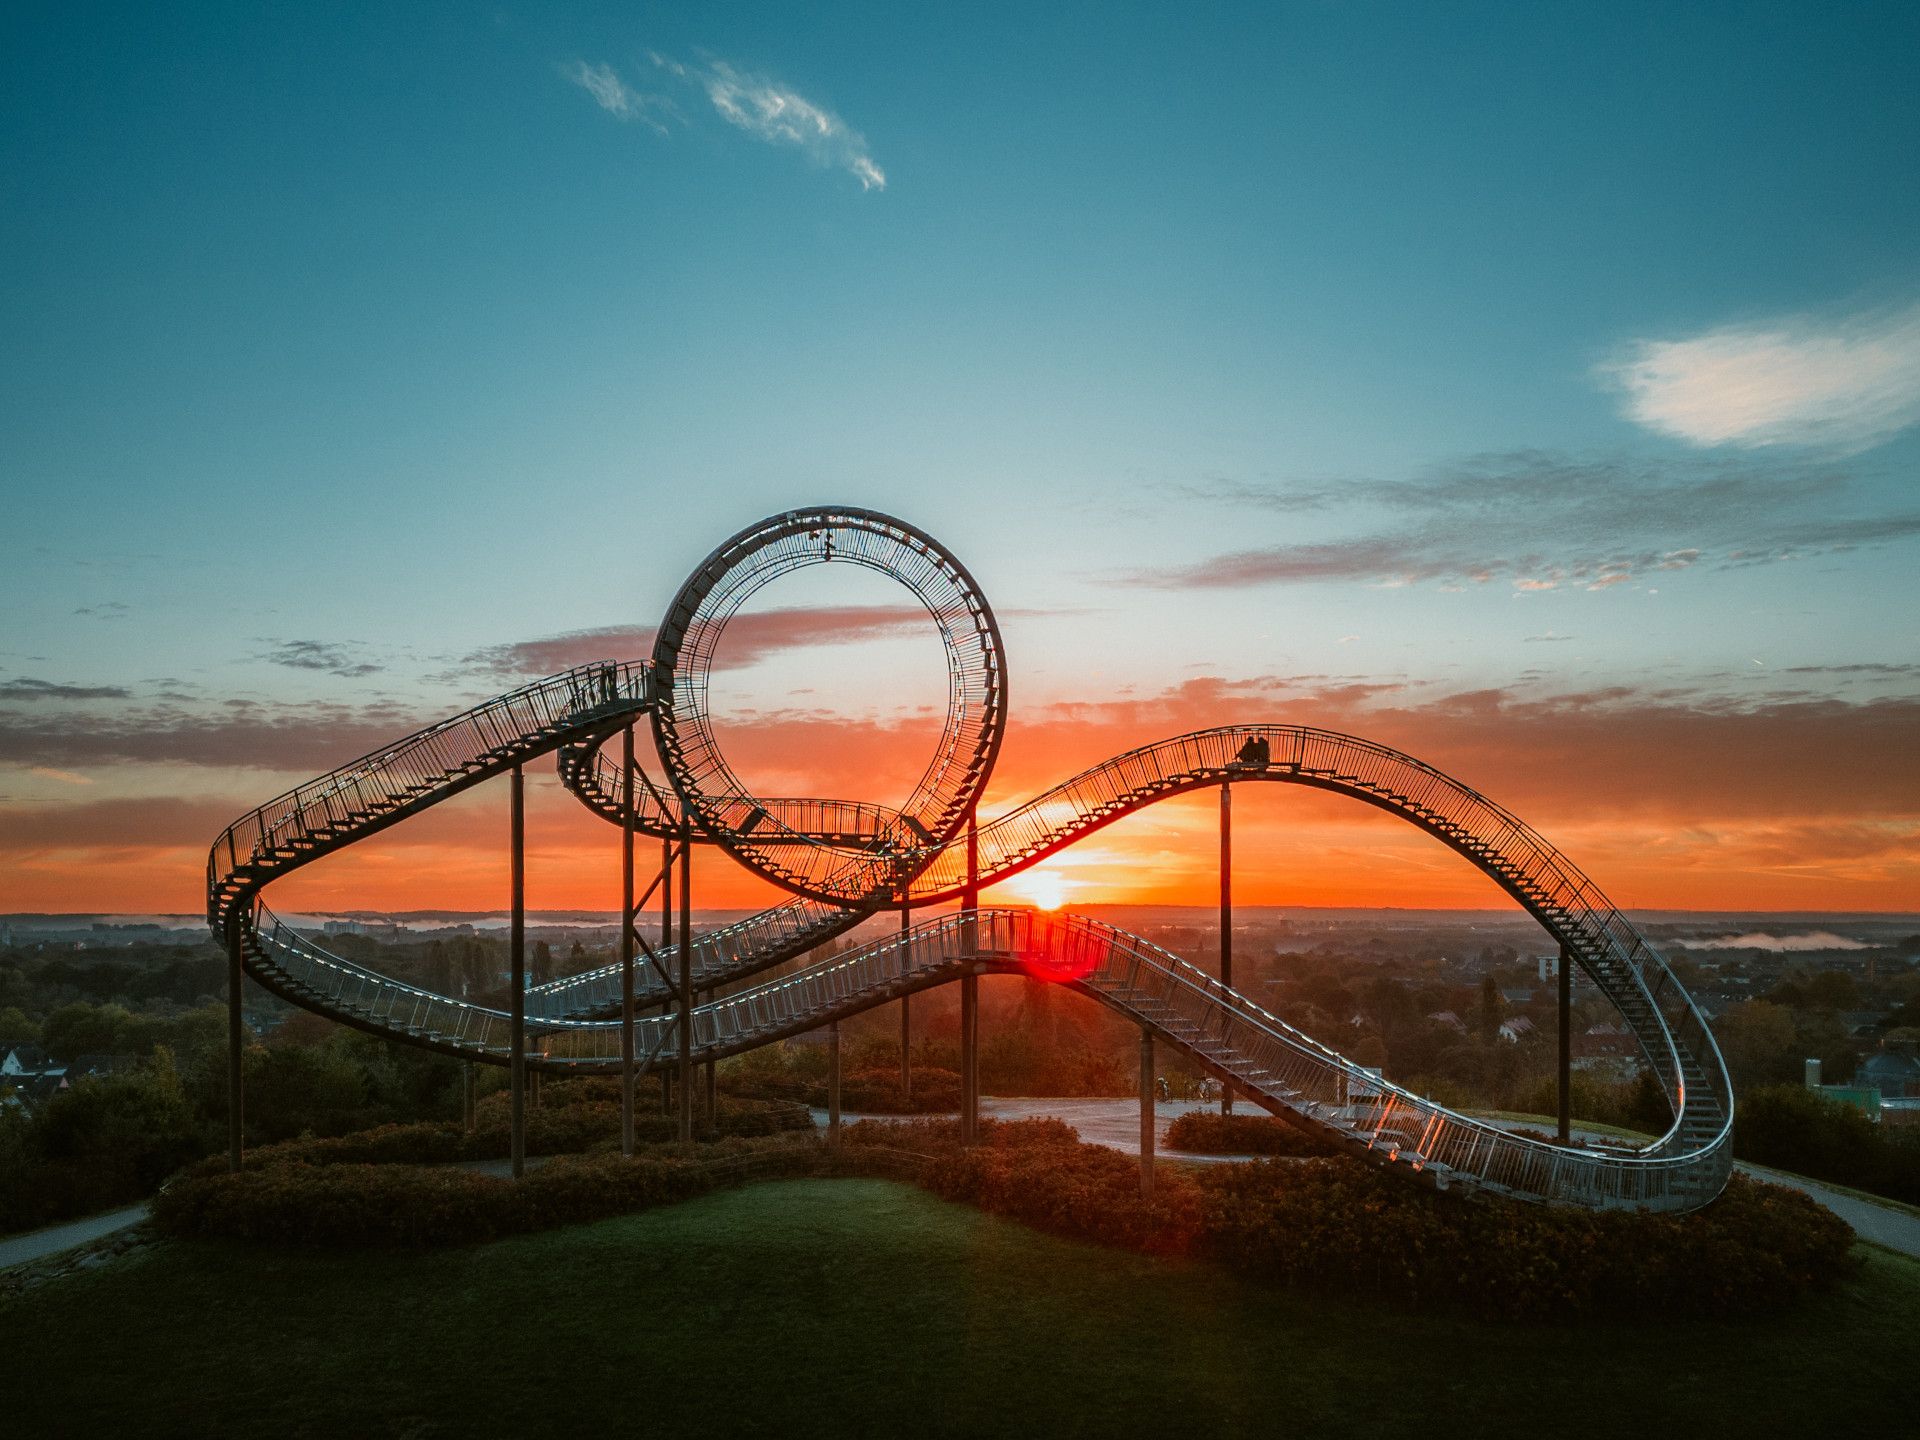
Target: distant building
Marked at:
23, 1060
1894, 1073
1515, 1030
1449, 1020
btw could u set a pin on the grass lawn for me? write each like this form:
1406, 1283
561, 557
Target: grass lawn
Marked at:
860, 1307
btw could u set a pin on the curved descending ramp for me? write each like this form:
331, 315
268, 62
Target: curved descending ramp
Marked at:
842, 845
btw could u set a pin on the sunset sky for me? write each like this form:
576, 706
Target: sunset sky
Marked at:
1535, 389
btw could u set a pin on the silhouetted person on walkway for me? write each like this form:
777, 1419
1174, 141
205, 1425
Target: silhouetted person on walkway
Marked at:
1256, 754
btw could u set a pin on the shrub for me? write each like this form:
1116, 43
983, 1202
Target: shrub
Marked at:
877, 1092
1344, 1226
933, 1136
1795, 1129
1207, 1132
584, 1124
351, 1204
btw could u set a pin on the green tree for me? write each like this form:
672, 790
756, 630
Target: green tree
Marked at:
294, 1089
17, 1029
1758, 1039
1492, 1008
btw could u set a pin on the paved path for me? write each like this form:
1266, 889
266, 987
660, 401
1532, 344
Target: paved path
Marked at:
37, 1244
1116, 1124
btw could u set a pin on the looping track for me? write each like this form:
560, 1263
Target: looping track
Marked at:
844, 860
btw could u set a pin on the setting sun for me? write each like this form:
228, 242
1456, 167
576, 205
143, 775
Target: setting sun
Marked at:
1043, 889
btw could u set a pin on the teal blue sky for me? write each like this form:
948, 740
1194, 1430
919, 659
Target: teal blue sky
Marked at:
1530, 351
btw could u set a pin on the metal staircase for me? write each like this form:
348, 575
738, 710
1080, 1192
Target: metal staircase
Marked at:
575, 712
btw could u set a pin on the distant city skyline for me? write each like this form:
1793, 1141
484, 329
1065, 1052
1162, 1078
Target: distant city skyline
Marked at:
1534, 390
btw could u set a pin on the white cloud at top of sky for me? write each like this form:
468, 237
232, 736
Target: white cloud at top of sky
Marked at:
757, 104
616, 97
1843, 385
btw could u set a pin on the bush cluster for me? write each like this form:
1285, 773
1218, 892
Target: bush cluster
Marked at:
1207, 1132
1343, 1226
580, 1122
398, 1205
1793, 1128
877, 1092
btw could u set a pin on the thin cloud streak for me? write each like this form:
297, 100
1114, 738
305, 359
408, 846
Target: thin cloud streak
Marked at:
759, 105
750, 638
319, 655
616, 97
1542, 521
1843, 385
780, 115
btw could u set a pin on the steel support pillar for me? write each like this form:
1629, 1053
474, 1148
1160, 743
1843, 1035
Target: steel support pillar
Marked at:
236, 1051
970, 995
712, 1067
685, 986
627, 921
1226, 915
833, 1083
517, 960
906, 1007
1566, 1045
469, 1099
1147, 1116
666, 947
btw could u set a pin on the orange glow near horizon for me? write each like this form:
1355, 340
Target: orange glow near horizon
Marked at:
1682, 825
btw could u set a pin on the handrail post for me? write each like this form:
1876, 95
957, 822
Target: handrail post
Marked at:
517, 956
626, 942
1226, 913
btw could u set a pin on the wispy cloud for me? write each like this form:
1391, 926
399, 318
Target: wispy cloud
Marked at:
760, 105
27, 688
750, 637
318, 655
780, 115
1844, 385
1540, 521
617, 98
65, 777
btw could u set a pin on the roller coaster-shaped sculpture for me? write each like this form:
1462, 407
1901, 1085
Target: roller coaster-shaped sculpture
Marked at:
846, 861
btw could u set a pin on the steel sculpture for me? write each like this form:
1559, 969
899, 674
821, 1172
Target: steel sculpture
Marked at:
844, 860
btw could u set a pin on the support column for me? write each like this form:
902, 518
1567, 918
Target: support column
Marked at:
1226, 915
906, 1009
1147, 1116
667, 1007
469, 1100
970, 995
236, 1050
712, 1067
517, 959
1566, 1044
627, 921
833, 1083
685, 986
